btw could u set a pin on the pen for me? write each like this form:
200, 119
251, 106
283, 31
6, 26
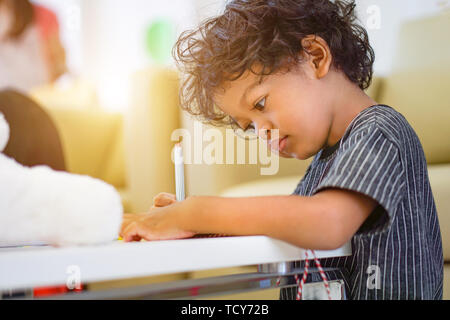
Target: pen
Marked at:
179, 172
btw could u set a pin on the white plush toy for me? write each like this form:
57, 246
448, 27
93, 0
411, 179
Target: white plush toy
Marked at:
39, 204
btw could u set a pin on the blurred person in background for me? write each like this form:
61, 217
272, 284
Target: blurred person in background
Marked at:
31, 53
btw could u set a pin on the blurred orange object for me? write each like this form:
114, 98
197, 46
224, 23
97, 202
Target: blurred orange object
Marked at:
50, 291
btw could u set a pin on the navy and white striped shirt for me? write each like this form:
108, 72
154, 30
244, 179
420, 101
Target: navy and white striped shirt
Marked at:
397, 252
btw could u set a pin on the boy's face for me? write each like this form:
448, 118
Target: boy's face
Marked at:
296, 103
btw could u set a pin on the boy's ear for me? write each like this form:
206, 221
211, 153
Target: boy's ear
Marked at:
317, 54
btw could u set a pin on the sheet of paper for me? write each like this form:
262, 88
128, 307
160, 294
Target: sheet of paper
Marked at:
22, 244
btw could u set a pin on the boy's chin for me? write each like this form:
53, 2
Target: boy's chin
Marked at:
288, 155
296, 155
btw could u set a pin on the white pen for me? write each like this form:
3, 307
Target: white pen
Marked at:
179, 172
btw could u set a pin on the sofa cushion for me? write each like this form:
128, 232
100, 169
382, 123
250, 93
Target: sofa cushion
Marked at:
151, 119
446, 293
263, 187
439, 178
418, 85
90, 143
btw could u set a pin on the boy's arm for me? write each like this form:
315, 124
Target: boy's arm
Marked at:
325, 221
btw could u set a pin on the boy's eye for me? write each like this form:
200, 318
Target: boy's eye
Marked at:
261, 104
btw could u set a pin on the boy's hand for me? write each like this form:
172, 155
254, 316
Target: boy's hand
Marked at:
163, 199
159, 224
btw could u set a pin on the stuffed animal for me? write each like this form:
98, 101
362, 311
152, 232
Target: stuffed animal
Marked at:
38, 204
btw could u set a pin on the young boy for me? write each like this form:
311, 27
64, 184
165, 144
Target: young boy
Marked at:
300, 67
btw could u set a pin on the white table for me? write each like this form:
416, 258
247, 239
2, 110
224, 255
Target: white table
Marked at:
27, 267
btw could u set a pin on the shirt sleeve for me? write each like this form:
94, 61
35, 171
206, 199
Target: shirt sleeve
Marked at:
369, 163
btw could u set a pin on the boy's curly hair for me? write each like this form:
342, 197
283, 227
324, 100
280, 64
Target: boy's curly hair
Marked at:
266, 33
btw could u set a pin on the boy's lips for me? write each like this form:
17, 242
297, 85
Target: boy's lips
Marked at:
279, 144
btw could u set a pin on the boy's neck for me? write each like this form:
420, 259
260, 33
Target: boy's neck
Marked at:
351, 100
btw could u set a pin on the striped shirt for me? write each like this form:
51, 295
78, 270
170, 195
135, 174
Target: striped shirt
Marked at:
397, 252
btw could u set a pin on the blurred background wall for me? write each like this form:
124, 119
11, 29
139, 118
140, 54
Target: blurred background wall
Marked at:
105, 39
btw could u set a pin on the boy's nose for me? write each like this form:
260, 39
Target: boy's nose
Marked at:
262, 129
264, 133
